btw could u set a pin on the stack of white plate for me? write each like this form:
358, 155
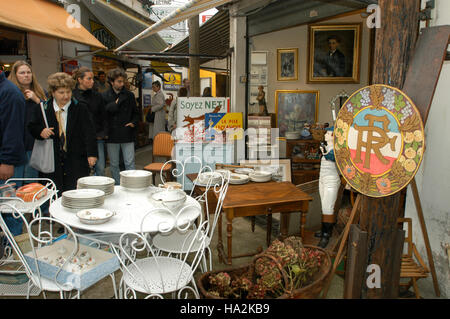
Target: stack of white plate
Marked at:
102, 183
239, 179
260, 176
135, 179
83, 198
244, 170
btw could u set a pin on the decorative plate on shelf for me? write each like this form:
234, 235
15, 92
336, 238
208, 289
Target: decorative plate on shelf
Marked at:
378, 140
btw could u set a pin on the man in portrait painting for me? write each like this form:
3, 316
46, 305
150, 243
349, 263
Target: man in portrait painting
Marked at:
332, 62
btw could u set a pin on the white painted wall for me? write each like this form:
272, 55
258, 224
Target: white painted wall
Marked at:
297, 37
433, 177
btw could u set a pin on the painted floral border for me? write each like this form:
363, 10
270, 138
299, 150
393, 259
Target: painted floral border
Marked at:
411, 128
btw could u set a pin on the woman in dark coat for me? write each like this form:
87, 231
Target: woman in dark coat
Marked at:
22, 76
72, 131
85, 93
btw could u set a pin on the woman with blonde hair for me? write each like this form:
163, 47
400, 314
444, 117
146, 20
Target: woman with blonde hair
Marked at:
24, 78
72, 131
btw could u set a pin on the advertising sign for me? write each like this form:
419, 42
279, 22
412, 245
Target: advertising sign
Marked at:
191, 112
172, 81
220, 125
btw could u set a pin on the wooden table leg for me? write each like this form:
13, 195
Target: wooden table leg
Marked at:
302, 224
269, 227
230, 214
284, 225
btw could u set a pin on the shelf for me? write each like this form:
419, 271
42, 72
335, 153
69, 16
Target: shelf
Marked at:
305, 161
302, 141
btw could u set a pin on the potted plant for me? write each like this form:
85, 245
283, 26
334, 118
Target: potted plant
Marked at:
285, 270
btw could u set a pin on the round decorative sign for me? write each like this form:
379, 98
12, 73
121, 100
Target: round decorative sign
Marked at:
378, 140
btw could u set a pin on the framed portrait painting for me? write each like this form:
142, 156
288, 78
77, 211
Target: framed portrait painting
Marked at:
334, 53
294, 108
287, 64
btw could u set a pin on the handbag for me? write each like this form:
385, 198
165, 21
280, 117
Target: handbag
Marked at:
150, 117
42, 157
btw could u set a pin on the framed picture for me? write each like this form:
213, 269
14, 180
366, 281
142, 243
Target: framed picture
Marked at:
287, 64
281, 168
334, 53
294, 108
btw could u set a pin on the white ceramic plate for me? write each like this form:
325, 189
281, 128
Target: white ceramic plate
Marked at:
260, 177
172, 199
94, 216
136, 173
95, 181
238, 179
83, 194
244, 170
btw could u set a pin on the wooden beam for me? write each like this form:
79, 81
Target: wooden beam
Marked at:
356, 260
194, 62
394, 44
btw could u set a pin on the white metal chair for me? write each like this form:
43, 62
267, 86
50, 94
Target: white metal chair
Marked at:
173, 243
157, 275
39, 238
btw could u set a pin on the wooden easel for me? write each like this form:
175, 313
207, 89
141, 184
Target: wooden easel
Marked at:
420, 85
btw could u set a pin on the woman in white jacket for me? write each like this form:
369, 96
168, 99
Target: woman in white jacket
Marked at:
157, 107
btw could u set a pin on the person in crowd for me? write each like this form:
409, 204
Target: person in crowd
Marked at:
122, 117
101, 85
23, 76
207, 92
84, 92
187, 85
72, 131
12, 148
172, 118
157, 107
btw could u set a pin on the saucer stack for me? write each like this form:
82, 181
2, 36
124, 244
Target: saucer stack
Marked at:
135, 179
83, 198
102, 183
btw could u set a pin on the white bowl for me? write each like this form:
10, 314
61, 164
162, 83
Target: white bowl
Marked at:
244, 170
205, 177
238, 179
260, 176
169, 198
94, 216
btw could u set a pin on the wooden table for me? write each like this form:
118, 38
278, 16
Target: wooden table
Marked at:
254, 199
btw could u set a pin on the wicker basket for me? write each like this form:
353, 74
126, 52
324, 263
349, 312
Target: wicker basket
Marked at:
317, 134
311, 291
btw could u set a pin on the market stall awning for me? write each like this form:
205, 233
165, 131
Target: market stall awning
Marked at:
161, 67
44, 17
124, 25
187, 11
214, 44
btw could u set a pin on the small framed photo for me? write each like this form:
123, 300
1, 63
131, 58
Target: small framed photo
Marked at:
294, 109
334, 53
287, 64
281, 168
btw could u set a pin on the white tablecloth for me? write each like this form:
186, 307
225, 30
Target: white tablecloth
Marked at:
130, 208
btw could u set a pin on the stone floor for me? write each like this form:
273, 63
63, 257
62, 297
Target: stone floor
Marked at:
244, 241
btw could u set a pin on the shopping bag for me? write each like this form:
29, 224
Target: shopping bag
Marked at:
42, 156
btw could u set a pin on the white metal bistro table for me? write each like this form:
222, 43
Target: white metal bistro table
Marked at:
130, 207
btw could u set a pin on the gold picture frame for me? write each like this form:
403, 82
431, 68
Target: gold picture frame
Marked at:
334, 54
287, 64
294, 108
